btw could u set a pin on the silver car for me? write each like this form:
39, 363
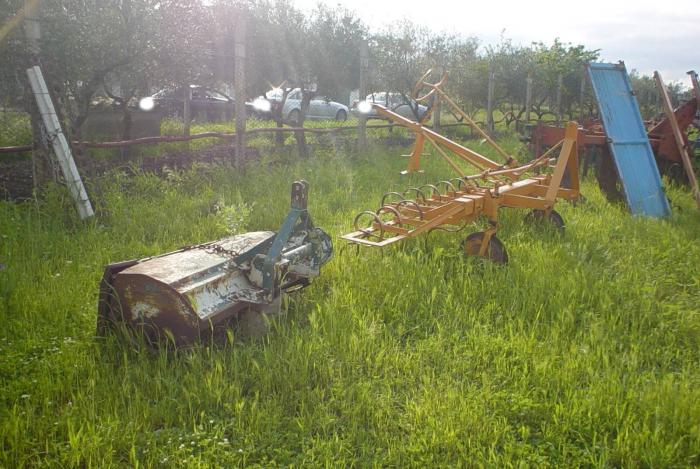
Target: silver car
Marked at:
320, 107
395, 102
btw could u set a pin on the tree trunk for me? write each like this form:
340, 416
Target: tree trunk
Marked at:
279, 136
240, 86
362, 93
300, 135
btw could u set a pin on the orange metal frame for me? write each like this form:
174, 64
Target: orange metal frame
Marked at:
468, 197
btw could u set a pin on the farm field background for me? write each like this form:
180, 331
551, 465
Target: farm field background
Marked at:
583, 351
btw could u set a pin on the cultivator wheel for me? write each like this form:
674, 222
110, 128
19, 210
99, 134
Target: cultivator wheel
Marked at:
673, 170
495, 250
582, 200
539, 217
608, 180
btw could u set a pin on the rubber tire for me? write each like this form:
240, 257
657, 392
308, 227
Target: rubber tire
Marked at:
555, 219
608, 180
582, 200
495, 252
341, 116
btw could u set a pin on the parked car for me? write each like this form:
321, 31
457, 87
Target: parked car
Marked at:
206, 102
395, 102
320, 107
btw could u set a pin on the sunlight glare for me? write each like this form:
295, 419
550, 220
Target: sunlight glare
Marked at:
147, 104
364, 107
262, 105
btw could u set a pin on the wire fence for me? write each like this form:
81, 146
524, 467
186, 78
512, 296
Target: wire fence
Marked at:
230, 137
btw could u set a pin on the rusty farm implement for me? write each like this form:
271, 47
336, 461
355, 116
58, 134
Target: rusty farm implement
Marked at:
195, 292
447, 204
668, 138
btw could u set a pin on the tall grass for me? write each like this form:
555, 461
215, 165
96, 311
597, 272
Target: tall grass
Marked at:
583, 351
15, 129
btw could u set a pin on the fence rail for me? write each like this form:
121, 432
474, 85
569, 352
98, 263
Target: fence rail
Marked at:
219, 135
16, 149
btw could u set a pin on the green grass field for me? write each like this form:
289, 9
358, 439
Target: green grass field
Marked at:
583, 351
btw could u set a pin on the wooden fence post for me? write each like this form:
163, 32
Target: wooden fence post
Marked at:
528, 97
489, 100
438, 105
362, 93
40, 151
581, 99
240, 86
187, 110
560, 85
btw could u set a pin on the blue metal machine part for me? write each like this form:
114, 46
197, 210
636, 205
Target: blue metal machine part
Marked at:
627, 139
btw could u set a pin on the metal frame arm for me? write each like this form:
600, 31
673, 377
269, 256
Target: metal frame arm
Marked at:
297, 213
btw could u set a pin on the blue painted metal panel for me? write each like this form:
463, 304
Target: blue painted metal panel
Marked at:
628, 140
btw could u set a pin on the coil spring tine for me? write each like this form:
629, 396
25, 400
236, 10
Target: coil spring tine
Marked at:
418, 193
365, 230
386, 195
436, 191
411, 202
346, 247
468, 185
460, 182
449, 185
389, 208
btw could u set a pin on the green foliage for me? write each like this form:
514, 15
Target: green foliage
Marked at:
89, 45
583, 351
399, 57
336, 35
15, 128
647, 94
127, 49
13, 57
551, 62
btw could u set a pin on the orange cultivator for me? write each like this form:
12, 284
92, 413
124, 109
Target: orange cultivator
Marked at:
465, 199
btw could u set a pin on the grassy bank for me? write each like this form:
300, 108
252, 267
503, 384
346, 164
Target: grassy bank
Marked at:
584, 350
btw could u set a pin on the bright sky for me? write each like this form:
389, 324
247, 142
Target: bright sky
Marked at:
648, 35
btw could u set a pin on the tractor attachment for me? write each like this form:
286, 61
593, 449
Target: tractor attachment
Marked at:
465, 199
195, 292
594, 144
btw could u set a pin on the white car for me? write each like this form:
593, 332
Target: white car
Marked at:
395, 102
320, 107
